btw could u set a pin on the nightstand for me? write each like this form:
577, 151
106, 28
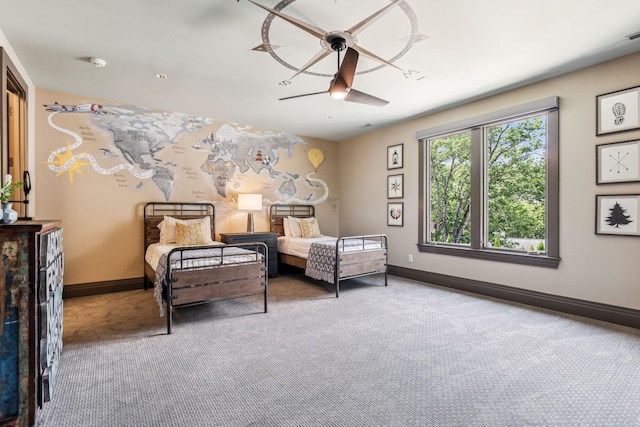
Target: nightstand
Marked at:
269, 239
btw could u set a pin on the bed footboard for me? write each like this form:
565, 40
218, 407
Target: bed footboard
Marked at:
358, 256
232, 276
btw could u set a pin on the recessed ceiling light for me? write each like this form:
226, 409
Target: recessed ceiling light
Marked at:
98, 62
161, 76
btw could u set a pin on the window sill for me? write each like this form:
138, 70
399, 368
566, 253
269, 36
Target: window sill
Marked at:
534, 260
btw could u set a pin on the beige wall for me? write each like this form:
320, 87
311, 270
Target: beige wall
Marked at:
602, 269
102, 214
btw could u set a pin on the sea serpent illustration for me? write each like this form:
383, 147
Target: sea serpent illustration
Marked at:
312, 202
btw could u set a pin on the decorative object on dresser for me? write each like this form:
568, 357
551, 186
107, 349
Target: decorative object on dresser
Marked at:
331, 259
7, 190
269, 239
250, 202
185, 264
31, 309
9, 216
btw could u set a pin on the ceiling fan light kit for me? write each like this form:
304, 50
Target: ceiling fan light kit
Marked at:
338, 94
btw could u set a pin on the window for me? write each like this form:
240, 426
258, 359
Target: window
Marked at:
490, 186
450, 189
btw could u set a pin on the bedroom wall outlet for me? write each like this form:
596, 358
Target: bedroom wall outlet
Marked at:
410, 258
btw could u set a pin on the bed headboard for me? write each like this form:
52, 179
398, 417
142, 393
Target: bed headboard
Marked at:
154, 212
278, 212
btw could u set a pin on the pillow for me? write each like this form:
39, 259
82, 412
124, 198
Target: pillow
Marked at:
294, 227
168, 228
285, 227
310, 228
189, 234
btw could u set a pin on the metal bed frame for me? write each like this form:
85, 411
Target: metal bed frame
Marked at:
195, 285
348, 265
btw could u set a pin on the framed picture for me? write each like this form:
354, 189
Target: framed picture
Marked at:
618, 214
395, 156
395, 214
395, 186
617, 162
618, 111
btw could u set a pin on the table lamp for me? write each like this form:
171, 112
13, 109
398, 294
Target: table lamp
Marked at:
250, 202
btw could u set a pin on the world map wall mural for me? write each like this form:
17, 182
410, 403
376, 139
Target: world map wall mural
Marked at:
143, 147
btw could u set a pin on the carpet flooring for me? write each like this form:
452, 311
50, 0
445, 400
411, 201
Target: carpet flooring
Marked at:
409, 354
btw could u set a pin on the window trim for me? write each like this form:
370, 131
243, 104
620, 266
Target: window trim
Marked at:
551, 258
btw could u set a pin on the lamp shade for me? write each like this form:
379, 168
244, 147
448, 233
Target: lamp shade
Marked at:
250, 202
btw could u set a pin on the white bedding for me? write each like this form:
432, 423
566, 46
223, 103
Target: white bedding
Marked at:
299, 246
215, 254
156, 250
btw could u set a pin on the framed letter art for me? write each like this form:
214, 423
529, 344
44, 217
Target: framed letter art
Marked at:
395, 214
395, 186
617, 162
618, 214
618, 111
395, 156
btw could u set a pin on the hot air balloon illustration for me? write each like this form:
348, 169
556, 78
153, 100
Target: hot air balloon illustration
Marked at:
619, 109
315, 157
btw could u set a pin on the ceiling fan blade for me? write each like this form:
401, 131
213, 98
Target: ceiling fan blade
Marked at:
364, 98
348, 67
300, 96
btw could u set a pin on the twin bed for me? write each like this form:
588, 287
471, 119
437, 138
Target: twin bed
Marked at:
185, 265
329, 259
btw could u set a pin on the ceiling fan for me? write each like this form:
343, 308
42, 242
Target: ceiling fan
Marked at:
340, 87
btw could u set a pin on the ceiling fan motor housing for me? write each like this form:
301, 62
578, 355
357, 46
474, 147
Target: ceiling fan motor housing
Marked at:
338, 40
338, 44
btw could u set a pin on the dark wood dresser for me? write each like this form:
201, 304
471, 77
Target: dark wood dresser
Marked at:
31, 281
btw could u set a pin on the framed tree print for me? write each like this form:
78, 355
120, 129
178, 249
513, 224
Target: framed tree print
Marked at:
395, 214
618, 214
617, 162
618, 111
395, 186
395, 156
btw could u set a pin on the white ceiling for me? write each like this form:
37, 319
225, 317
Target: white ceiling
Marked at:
459, 50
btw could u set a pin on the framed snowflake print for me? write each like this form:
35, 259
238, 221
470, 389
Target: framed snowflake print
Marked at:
395, 214
618, 214
395, 186
617, 162
395, 156
618, 111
